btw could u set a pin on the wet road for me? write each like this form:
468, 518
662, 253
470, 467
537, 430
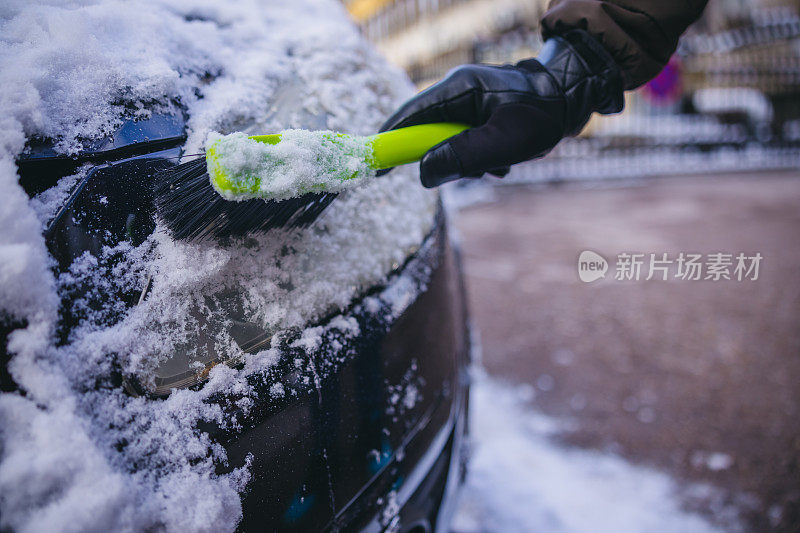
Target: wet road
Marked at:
700, 379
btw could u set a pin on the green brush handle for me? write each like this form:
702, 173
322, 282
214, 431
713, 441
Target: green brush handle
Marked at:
388, 149
398, 147
406, 145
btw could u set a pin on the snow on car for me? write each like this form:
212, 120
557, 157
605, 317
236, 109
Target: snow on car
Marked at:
126, 356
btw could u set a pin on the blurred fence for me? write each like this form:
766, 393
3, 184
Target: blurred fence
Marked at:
730, 102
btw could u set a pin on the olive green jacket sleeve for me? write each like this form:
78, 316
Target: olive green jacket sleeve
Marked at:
641, 35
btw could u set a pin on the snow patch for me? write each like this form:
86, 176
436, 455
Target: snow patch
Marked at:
521, 480
714, 461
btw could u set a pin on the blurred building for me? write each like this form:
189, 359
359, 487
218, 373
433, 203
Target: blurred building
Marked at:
760, 52
738, 43
429, 37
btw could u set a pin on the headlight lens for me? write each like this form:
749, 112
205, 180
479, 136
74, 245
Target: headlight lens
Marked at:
217, 341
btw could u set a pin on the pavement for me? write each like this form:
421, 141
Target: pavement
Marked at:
697, 379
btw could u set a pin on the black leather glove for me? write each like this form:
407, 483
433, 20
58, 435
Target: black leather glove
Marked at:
519, 112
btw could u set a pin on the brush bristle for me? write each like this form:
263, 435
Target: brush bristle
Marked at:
191, 208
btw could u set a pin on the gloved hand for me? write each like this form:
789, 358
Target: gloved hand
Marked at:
519, 112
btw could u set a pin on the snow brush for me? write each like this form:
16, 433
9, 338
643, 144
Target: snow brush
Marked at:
250, 184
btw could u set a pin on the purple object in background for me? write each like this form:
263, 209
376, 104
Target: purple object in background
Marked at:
667, 87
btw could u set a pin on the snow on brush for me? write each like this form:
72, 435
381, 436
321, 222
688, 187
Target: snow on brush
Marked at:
521, 480
76, 452
302, 162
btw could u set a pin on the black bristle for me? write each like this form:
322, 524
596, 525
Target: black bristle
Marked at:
191, 208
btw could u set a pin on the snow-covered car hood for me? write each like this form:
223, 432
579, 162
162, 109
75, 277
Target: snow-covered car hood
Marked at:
75, 453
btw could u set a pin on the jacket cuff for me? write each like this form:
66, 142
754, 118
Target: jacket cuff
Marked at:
586, 73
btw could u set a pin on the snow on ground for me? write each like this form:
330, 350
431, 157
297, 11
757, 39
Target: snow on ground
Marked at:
521, 480
76, 452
